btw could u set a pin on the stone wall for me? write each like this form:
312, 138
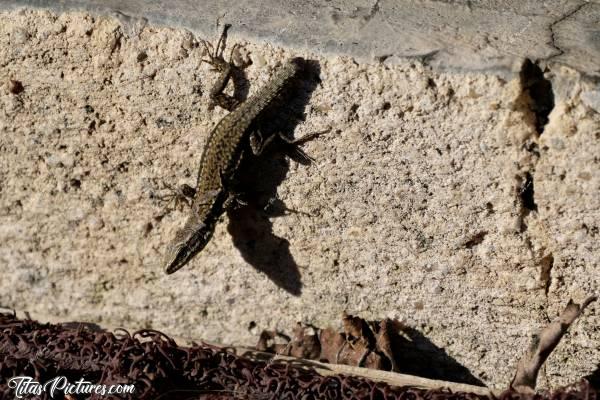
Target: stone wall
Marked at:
463, 203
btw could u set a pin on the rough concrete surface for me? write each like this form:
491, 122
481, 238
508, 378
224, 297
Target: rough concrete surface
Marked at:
440, 198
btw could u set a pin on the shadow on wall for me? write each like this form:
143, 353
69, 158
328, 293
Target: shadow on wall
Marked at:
259, 177
594, 378
419, 356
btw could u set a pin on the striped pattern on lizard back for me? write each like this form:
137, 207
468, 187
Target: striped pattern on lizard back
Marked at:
223, 148
218, 164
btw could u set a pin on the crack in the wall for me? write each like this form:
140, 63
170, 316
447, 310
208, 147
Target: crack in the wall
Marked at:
359, 12
538, 92
536, 102
527, 193
552, 26
546, 265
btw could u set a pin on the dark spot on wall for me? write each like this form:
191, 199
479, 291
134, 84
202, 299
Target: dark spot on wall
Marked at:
75, 183
142, 56
352, 114
15, 87
475, 239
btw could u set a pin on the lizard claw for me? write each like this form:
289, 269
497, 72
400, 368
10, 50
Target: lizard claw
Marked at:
215, 54
177, 197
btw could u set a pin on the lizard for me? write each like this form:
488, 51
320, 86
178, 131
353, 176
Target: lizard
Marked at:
229, 140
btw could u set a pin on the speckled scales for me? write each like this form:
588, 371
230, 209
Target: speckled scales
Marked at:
223, 147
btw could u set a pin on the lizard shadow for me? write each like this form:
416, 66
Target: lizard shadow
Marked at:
257, 180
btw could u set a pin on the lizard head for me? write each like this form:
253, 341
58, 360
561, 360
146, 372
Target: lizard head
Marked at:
188, 242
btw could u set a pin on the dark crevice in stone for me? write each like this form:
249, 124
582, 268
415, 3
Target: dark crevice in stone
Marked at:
539, 91
527, 193
475, 239
546, 264
536, 102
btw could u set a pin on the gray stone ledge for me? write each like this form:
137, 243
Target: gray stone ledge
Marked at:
486, 35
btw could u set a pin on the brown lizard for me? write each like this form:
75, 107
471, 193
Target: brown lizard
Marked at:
233, 136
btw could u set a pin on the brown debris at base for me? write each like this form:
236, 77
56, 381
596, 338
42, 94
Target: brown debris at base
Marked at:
376, 345
361, 344
159, 368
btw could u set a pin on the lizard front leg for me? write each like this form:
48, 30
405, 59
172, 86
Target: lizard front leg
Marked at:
258, 143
